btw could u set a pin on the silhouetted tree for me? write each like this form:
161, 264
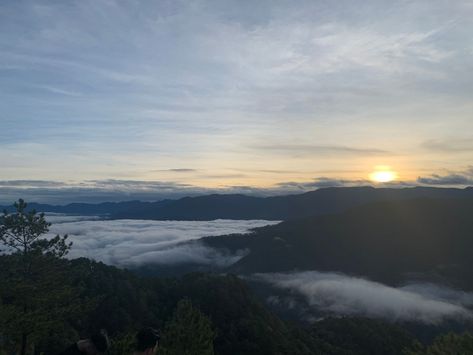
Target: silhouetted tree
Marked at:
33, 291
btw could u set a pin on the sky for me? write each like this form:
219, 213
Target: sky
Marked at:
109, 99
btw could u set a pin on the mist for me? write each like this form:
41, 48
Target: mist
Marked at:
342, 295
133, 243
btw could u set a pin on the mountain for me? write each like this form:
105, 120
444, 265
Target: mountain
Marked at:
210, 207
105, 208
116, 300
322, 201
387, 241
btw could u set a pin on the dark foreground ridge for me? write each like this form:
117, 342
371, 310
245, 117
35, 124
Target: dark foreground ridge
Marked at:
122, 303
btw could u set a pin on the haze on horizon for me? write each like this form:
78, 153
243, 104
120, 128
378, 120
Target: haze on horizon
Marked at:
112, 100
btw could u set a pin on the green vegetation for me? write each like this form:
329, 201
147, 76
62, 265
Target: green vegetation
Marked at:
189, 332
448, 344
351, 336
34, 288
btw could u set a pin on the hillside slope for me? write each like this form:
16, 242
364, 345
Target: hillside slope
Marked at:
386, 241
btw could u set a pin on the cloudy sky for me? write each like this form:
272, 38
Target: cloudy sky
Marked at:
199, 95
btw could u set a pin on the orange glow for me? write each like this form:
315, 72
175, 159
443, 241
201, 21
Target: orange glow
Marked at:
383, 174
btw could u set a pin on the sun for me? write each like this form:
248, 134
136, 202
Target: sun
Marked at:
383, 174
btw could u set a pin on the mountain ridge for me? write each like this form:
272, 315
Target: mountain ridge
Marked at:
384, 241
240, 206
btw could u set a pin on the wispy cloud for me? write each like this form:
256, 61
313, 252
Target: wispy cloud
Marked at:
58, 90
322, 182
460, 178
178, 170
449, 146
31, 183
334, 293
305, 149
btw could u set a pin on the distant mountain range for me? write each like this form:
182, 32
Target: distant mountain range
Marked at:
210, 207
390, 241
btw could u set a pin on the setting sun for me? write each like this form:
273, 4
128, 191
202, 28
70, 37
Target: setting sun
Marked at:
383, 175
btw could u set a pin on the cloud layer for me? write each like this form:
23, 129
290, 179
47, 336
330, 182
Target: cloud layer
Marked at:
451, 178
133, 243
340, 294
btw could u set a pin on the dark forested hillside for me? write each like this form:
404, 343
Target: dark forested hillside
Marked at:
384, 241
121, 302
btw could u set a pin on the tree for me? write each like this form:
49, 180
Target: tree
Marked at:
189, 332
34, 294
447, 344
20, 232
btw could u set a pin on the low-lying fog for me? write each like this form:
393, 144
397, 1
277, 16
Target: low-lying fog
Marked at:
133, 243
311, 292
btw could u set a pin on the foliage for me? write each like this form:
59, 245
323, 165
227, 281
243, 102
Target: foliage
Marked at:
33, 286
21, 231
124, 303
447, 344
122, 344
350, 336
189, 332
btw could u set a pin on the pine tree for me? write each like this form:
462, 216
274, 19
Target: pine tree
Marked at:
189, 332
447, 344
34, 293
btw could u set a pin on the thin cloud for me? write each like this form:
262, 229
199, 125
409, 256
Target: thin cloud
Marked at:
223, 176
182, 170
137, 184
449, 146
58, 90
176, 170
304, 149
323, 182
339, 294
31, 183
462, 178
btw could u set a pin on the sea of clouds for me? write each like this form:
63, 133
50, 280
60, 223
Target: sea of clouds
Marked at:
343, 295
133, 243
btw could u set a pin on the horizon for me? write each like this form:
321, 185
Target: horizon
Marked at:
261, 194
